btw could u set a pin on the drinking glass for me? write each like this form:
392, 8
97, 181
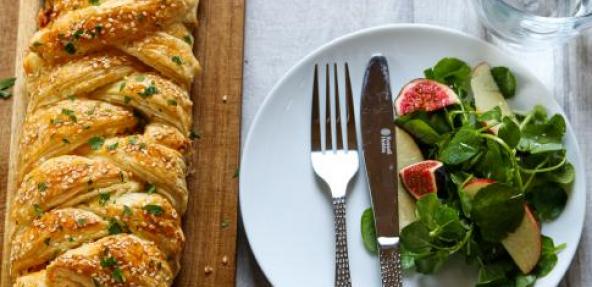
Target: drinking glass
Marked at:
535, 23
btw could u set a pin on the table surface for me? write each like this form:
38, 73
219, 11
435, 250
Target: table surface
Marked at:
280, 32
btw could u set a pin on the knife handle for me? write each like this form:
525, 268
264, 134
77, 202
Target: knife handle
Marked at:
390, 267
342, 275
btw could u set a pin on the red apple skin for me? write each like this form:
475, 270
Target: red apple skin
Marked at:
523, 244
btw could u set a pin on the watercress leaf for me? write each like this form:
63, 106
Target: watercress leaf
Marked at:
505, 80
449, 227
525, 280
437, 120
453, 72
497, 210
495, 164
431, 263
415, 238
510, 132
548, 256
369, 231
427, 206
407, 260
429, 73
494, 114
493, 275
419, 129
548, 200
565, 175
540, 135
465, 144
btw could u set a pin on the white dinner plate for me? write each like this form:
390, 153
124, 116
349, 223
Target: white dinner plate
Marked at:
288, 217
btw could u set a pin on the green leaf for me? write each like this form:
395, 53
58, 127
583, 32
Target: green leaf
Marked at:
565, 175
419, 129
452, 72
153, 209
369, 231
465, 144
108, 262
5, 85
103, 198
494, 274
415, 238
525, 280
548, 199
431, 263
117, 275
494, 114
510, 132
495, 164
115, 227
151, 188
96, 143
505, 80
497, 210
540, 135
548, 258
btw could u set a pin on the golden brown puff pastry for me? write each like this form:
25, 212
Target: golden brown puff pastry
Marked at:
63, 181
36, 279
167, 135
101, 165
157, 98
51, 234
149, 216
118, 260
92, 28
154, 163
66, 126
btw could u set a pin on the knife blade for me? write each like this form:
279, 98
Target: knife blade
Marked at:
378, 134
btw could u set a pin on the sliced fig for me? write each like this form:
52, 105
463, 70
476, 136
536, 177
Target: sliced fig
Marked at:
424, 95
423, 177
407, 153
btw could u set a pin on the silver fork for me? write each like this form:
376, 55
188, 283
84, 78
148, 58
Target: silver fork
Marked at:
335, 160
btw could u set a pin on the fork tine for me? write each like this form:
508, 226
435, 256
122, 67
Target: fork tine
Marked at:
352, 137
315, 124
338, 125
328, 122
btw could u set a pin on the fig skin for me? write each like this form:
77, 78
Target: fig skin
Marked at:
424, 177
424, 95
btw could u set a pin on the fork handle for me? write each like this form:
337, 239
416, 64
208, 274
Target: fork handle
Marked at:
342, 275
390, 267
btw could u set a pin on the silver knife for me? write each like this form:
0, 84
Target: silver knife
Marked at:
378, 134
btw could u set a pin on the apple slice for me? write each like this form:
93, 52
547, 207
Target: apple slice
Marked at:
486, 92
523, 244
407, 154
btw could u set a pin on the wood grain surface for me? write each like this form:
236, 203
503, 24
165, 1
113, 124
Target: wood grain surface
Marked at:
210, 223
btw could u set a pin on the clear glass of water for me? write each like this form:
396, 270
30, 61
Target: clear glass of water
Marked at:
535, 23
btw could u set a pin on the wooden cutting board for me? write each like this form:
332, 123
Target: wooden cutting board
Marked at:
210, 223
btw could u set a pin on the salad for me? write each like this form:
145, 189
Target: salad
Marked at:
479, 177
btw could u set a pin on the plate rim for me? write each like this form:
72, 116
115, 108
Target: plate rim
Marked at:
377, 29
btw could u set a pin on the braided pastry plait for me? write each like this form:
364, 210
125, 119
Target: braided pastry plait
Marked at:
101, 165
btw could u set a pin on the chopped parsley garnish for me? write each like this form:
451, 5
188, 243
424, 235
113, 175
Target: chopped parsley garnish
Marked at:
70, 238
114, 227
133, 140
121, 176
236, 173
71, 97
153, 209
177, 60
108, 262
172, 102
151, 189
117, 275
103, 198
225, 223
66, 141
81, 222
127, 211
78, 33
188, 39
140, 78
96, 143
5, 85
38, 210
42, 186
94, 2
142, 146
37, 44
149, 91
127, 99
194, 135
70, 114
69, 48
113, 146
122, 86
47, 241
